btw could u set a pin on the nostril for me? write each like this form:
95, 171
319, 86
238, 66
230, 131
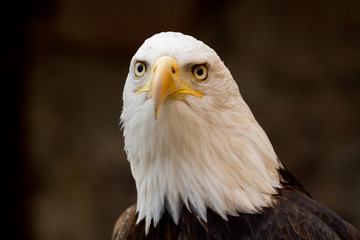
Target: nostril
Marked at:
173, 69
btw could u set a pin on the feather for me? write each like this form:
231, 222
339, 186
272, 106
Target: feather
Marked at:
283, 220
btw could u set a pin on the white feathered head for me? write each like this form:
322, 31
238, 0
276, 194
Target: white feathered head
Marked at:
189, 136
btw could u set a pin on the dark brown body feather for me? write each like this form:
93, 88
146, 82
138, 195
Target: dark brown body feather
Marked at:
295, 215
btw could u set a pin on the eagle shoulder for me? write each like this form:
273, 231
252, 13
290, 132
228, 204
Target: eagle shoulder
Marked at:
124, 224
297, 216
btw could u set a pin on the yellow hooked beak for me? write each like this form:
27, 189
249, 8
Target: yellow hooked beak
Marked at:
164, 83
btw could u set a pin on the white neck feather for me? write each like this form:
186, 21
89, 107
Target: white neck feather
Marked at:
182, 158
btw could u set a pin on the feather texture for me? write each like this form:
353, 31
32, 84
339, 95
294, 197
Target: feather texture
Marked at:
295, 215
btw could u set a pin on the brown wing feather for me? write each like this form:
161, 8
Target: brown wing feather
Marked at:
124, 225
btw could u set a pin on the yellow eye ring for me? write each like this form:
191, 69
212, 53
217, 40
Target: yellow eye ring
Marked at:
200, 72
140, 69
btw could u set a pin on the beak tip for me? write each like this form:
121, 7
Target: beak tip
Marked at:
156, 113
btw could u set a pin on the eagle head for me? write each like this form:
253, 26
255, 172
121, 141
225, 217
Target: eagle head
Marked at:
190, 138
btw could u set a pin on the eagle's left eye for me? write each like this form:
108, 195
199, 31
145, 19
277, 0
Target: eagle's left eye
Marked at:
140, 69
200, 72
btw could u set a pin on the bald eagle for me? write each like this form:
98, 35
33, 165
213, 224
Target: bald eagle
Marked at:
203, 166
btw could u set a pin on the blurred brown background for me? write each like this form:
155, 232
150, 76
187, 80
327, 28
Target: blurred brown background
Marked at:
66, 175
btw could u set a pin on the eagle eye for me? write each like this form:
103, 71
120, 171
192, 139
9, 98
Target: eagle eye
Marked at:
200, 72
140, 69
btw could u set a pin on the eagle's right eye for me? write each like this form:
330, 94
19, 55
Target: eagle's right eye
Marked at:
140, 69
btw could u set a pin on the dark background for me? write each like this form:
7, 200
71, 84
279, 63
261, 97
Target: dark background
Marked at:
65, 173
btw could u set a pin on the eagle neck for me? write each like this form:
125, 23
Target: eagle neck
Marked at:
225, 163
